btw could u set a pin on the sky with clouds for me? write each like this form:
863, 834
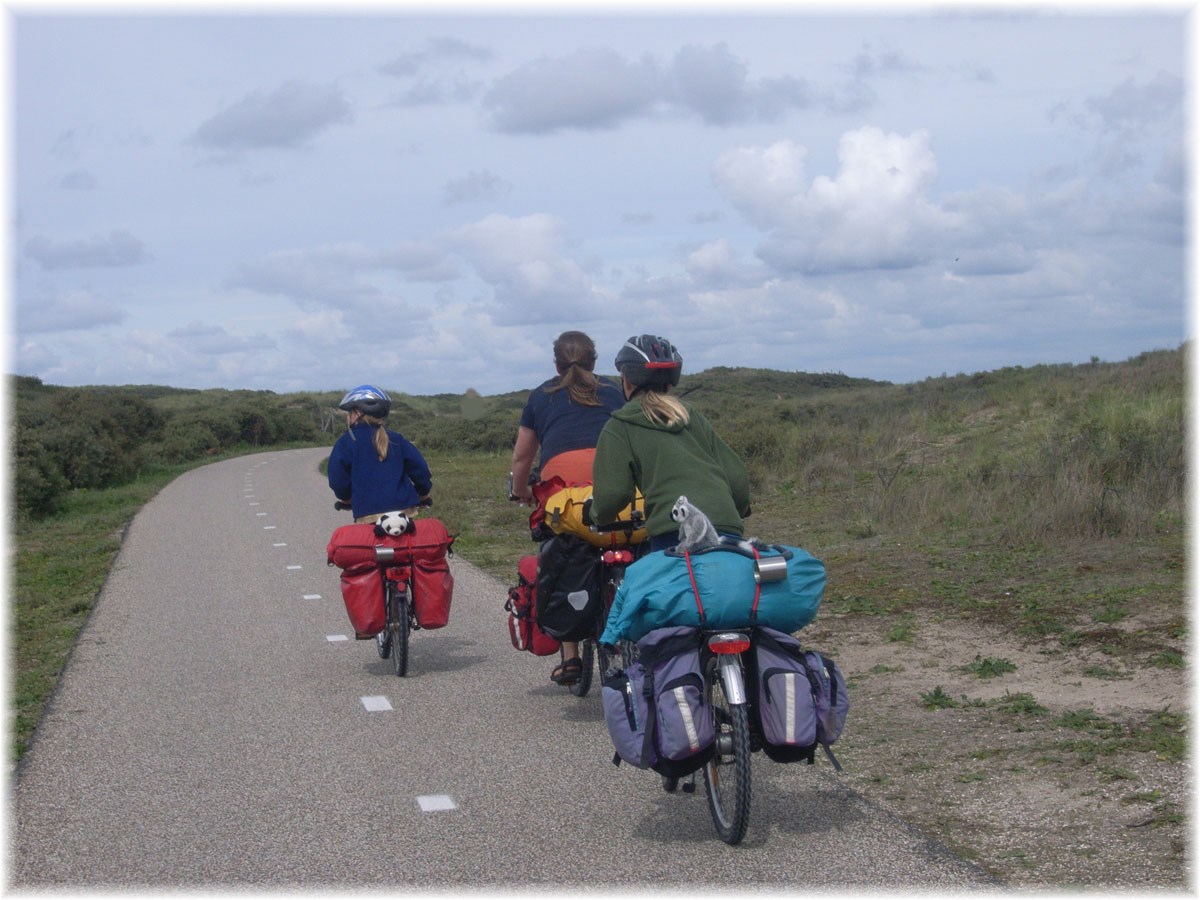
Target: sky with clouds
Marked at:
306, 200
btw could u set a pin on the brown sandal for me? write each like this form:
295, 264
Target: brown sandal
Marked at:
568, 672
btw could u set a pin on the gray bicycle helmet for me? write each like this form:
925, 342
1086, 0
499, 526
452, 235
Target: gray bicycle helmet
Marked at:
649, 361
369, 399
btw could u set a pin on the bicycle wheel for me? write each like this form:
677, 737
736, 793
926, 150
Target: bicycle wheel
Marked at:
727, 774
383, 640
604, 659
398, 627
587, 652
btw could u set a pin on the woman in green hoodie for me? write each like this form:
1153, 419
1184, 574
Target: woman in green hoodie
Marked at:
665, 449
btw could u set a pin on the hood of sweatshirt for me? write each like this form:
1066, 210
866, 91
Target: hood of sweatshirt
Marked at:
631, 413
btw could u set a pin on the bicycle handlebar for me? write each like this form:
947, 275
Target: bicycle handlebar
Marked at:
634, 523
534, 478
343, 505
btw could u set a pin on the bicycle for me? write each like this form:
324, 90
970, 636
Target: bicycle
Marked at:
613, 561
727, 782
400, 617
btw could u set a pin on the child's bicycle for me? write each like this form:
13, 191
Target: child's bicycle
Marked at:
400, 615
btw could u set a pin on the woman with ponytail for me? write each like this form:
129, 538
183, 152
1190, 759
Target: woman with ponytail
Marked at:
665, 449
562, 419
371, 467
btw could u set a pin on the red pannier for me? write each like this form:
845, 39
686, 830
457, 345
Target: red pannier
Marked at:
424, 549
523, 629
362, 592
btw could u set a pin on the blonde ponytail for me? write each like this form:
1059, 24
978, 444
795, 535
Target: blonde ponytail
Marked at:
662, 409
382, 442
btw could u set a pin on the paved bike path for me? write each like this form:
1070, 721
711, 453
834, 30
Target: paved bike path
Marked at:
213, 731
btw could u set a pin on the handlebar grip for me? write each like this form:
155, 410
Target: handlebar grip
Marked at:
338, 504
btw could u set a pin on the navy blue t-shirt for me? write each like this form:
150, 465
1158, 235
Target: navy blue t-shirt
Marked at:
562, 424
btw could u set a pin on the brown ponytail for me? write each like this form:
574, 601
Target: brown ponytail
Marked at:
575, 358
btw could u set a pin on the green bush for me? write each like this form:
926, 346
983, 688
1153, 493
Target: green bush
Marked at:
39, 482
100, 437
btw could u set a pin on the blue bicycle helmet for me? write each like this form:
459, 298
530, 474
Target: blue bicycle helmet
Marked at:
369, 399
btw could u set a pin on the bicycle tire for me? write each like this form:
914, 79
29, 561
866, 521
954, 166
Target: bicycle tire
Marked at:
727, 774
398, 626
587, 653
624, 655
383, 640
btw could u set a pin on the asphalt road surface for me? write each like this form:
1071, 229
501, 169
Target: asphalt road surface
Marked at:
219, 728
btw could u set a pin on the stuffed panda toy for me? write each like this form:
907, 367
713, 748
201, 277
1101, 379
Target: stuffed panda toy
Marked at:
393, 524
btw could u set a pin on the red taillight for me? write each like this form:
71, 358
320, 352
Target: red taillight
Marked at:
617, 557
729, 643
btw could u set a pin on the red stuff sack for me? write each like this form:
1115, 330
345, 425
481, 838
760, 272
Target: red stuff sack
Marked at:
362, 592
353, 546
427, 541
523, 629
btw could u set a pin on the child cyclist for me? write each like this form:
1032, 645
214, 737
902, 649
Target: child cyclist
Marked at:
371, 467
664, 448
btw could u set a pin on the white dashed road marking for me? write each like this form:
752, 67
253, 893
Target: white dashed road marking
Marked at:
336, 637
376, 704
312, 596
436, 803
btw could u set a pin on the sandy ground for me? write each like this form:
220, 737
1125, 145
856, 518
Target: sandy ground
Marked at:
1015, 791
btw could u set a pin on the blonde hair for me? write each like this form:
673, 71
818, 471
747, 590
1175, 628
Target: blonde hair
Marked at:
661, 409
382, 442
575, 358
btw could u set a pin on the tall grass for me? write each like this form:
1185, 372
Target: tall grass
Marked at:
1063, 451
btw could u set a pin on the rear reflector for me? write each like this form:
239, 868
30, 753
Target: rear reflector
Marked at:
729, 643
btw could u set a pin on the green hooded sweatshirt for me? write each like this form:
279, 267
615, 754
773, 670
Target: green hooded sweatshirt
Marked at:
689, 460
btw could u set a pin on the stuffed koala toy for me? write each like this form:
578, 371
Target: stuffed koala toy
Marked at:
393, 524
696, 532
